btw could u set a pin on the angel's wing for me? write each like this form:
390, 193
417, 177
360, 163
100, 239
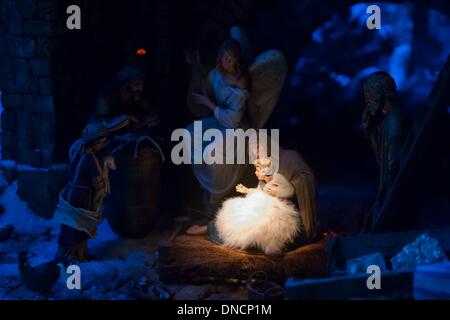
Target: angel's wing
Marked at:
268, 73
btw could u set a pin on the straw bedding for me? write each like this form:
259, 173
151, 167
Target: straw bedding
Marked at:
195, 259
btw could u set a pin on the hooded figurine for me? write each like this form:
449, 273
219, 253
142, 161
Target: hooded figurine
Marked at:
385, 126
80, 202
292, 166
279, 187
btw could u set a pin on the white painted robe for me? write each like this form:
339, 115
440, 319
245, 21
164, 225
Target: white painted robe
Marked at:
230, 113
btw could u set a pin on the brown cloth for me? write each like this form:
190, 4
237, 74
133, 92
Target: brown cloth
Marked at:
294, 168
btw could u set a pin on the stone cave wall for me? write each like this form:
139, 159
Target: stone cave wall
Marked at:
29, 29
28, 32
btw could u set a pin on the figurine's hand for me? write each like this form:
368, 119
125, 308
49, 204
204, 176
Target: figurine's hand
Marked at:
242, 189
204, 99
270, 190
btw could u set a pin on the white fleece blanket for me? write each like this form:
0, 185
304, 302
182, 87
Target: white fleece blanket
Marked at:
258, 220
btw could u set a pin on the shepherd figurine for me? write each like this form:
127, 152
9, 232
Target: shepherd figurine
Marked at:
79, 209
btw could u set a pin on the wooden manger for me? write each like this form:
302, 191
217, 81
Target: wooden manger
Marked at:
193, 259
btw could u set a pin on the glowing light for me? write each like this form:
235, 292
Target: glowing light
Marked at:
141, 52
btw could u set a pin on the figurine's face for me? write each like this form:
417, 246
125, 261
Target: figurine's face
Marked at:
261, 176
229, 62
136, 88
98, 144
372, 101
258, 173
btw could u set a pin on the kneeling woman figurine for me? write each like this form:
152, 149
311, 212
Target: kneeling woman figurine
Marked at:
80, 202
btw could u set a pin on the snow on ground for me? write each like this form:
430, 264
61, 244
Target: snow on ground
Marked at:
124, 269
120, 261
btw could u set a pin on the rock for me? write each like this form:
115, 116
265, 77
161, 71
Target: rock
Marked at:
2, 209
16, 25
34, 85
43, 123
28, 8
40, 188
8, 153
11, 101
43, 129
23, 47
19, 65
39, 28
45, 46
28, 156
8, 121
424, 250
22, 83
23, 130
360, 264
11, 87
47, 156
38, 104
48, 10
9, 139
41, 66
44, 141
3, 79
9, 170
5, 64
45, 86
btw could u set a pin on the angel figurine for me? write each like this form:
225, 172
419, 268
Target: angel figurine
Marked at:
236, 96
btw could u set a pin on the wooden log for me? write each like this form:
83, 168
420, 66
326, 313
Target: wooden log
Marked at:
394, 285
192, 259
